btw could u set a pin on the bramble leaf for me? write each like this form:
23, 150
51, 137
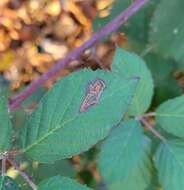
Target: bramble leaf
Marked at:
170, 164
58, 183
61, 126
130, 65
124, 159
170, 116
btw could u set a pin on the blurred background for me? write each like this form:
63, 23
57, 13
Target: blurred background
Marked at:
35, 34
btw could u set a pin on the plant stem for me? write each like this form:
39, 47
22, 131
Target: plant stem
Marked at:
150, 114
15, 101
151, 128
3, 166
23, 174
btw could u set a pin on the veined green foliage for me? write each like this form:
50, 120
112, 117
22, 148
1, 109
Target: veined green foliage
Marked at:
170, 164
125, 158
63, 126
127, 65
170, 116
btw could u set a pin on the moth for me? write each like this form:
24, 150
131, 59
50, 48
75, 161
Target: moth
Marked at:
93, 93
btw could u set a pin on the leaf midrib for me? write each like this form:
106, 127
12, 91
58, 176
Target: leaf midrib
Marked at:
47, 135
64, 123
170, 115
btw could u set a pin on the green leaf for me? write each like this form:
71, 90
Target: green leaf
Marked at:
166, 86
7, 183
5, 126
170, 164
130, 65
58, 183
167, 29
124, 159
57, 129
170, 116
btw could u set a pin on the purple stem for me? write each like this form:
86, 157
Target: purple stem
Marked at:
15, 101
151, 128
3, 166
22, 173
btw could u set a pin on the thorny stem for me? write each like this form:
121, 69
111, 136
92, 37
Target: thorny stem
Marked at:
15, 101
23, 174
